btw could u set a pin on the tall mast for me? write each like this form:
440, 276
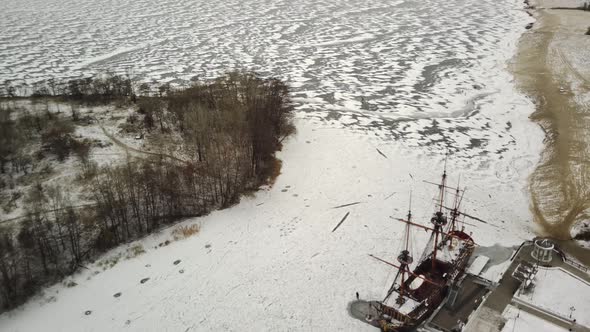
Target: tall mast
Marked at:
404, 259
439, 220
455, 210
442, 186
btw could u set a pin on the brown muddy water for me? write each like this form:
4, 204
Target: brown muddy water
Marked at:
560, 185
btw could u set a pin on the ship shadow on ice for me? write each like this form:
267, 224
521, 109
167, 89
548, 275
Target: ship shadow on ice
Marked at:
497, 254
364, 311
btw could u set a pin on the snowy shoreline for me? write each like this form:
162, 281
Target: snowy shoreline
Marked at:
550, 69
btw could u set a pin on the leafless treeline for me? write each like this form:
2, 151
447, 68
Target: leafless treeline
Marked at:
230, 129
45, 246
88, 88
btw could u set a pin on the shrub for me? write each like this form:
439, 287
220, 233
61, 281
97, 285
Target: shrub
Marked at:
81, 149
105, 240
186, 231
135, 251
57, 138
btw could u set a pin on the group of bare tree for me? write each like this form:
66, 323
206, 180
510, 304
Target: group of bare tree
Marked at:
45, 246
103, 87
52, 132
230, 129
240, 112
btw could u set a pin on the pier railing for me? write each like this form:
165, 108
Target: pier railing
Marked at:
525, 243
575, 264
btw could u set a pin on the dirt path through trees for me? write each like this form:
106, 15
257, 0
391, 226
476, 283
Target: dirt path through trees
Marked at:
132, 149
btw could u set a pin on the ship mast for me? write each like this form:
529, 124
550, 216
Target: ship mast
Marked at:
455, 210
439, 219
404, 259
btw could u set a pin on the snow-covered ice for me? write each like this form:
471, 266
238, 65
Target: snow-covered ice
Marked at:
428, 74
407, 78
403, 58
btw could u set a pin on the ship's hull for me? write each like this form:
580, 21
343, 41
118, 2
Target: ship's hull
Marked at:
430, 294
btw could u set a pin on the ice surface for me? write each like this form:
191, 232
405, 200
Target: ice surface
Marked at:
403, 58
407, 78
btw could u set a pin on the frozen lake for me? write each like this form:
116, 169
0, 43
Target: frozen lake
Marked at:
381, 89
427, 74
400, 58
424, 73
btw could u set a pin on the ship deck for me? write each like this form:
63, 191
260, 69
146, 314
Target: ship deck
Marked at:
436, 279
405, 308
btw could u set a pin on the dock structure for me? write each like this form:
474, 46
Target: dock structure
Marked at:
522, 287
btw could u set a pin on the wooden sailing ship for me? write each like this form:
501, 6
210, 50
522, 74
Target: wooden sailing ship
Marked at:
415, 295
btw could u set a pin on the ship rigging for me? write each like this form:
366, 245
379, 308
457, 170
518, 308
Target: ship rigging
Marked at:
415, 294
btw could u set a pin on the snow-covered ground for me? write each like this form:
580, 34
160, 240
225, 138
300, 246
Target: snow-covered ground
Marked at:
66, 173
522, 321
272, 262
406, 78
559, 292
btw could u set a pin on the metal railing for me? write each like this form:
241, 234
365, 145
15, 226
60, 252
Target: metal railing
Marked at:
575, 264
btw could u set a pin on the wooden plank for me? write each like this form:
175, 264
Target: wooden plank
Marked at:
341, 221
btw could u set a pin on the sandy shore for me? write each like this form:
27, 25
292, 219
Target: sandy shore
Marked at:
551, 68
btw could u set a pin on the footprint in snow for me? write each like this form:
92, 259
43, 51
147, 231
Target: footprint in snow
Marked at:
181, 271
144, 280
87, 312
